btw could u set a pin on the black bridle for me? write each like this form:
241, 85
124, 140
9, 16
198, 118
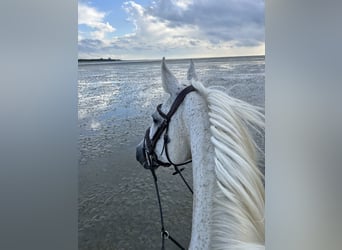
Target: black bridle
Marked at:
151, 160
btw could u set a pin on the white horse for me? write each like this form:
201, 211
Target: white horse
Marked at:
212, 128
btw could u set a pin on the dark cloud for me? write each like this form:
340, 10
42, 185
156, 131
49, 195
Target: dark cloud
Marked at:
194, 42
247, 43
89, 45
223, 20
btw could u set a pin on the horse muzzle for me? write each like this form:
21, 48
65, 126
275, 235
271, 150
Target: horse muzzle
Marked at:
146, 159
141, 154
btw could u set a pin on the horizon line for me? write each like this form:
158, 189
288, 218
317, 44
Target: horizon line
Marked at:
155, 59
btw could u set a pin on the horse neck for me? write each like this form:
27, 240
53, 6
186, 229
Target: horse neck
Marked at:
203, 170
219, 221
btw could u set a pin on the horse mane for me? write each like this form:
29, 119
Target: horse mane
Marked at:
238, 206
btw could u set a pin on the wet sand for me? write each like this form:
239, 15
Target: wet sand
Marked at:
118, 206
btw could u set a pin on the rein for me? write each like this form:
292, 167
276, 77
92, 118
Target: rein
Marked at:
151, 158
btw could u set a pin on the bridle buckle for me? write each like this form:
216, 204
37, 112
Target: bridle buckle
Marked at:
165, 234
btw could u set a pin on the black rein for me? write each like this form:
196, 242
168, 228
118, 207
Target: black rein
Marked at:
152, 158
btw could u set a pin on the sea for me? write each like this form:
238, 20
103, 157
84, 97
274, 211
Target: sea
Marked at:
118, 206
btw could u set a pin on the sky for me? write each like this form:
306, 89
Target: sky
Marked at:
147, 29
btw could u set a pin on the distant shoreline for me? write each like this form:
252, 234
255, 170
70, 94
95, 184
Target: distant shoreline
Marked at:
99, 60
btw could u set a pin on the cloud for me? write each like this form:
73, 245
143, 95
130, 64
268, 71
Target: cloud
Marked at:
222, 20
94, 19
179, 28
90, 45
150, 29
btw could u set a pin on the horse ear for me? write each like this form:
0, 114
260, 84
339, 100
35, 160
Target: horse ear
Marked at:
170, 82
192, 72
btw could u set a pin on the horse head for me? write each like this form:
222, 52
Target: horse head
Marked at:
166, 141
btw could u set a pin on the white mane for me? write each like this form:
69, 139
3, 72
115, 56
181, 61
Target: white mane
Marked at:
238, 211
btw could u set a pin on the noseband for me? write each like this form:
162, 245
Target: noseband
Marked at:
152, 161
